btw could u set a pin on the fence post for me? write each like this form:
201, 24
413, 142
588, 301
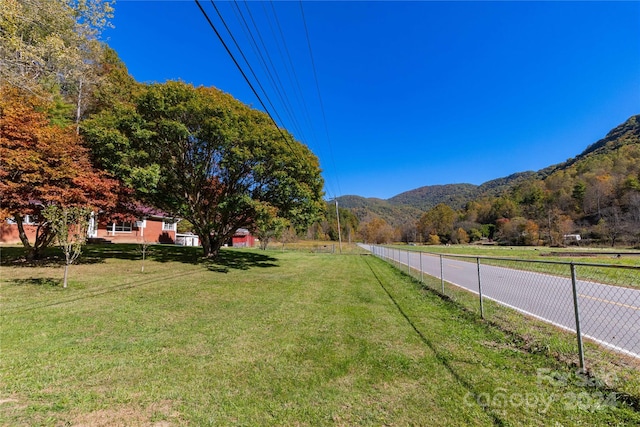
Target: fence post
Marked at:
408, 264
577, 313
441, 274
480, 289
421, 270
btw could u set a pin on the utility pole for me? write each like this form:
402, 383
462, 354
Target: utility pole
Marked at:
339, 234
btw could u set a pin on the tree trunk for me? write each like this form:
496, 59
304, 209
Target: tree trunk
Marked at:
212, 242
23, 238
66, 271
44, 237
264, 242
205, 241
79, 108
216, 244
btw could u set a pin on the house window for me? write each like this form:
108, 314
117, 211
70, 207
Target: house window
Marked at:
26, 220
168, 225
120, 227
30, 219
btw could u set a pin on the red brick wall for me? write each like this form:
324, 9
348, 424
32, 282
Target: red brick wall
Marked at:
153, 232
9, 233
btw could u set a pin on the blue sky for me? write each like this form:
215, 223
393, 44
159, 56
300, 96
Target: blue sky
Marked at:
414, 93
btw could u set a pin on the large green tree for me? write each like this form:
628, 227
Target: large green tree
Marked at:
200, 154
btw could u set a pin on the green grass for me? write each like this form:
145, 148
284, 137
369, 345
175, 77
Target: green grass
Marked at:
265, 338
316, 246
535, 336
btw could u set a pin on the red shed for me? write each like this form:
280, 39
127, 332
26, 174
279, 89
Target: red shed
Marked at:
243, 239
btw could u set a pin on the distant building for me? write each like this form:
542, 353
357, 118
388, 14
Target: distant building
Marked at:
243, 239
572, 238
187, 239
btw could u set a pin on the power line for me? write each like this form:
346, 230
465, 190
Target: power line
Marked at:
242, 71
315, 75
297, 88
285, 101
298, 92
276, 83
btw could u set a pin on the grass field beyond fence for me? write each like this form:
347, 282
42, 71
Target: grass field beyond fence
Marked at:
267, 338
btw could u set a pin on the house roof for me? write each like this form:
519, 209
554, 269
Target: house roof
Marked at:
148, 211
242, 232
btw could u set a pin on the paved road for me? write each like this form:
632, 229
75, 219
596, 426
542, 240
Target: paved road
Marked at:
609, 314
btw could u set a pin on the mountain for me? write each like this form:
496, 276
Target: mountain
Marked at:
607, 155
627, 133
424, 198
497, 186
407, 207
622, 135
367, 208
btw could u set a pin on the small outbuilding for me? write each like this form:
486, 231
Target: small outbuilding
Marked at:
243, 239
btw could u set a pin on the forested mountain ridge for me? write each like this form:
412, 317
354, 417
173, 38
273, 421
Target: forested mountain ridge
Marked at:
414, 202
497, 186
626, 133
367, 208
623, 134
596, 194
454, 195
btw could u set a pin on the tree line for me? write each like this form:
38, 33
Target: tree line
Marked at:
77, 131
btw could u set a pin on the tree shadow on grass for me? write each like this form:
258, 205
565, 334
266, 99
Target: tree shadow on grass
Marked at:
37, 281
240, 260
98, 253
15, 256
227, 259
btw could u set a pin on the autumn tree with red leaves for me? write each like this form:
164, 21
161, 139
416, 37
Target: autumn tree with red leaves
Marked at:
41, 165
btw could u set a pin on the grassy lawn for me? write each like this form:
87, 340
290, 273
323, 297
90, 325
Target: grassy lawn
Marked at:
266, 338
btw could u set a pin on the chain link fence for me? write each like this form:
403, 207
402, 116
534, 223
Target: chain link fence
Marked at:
598, 303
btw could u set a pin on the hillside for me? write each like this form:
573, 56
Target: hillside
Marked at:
424, 198
409, 206
624, 134
603, 177
497, 186
627, 133
367, 208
